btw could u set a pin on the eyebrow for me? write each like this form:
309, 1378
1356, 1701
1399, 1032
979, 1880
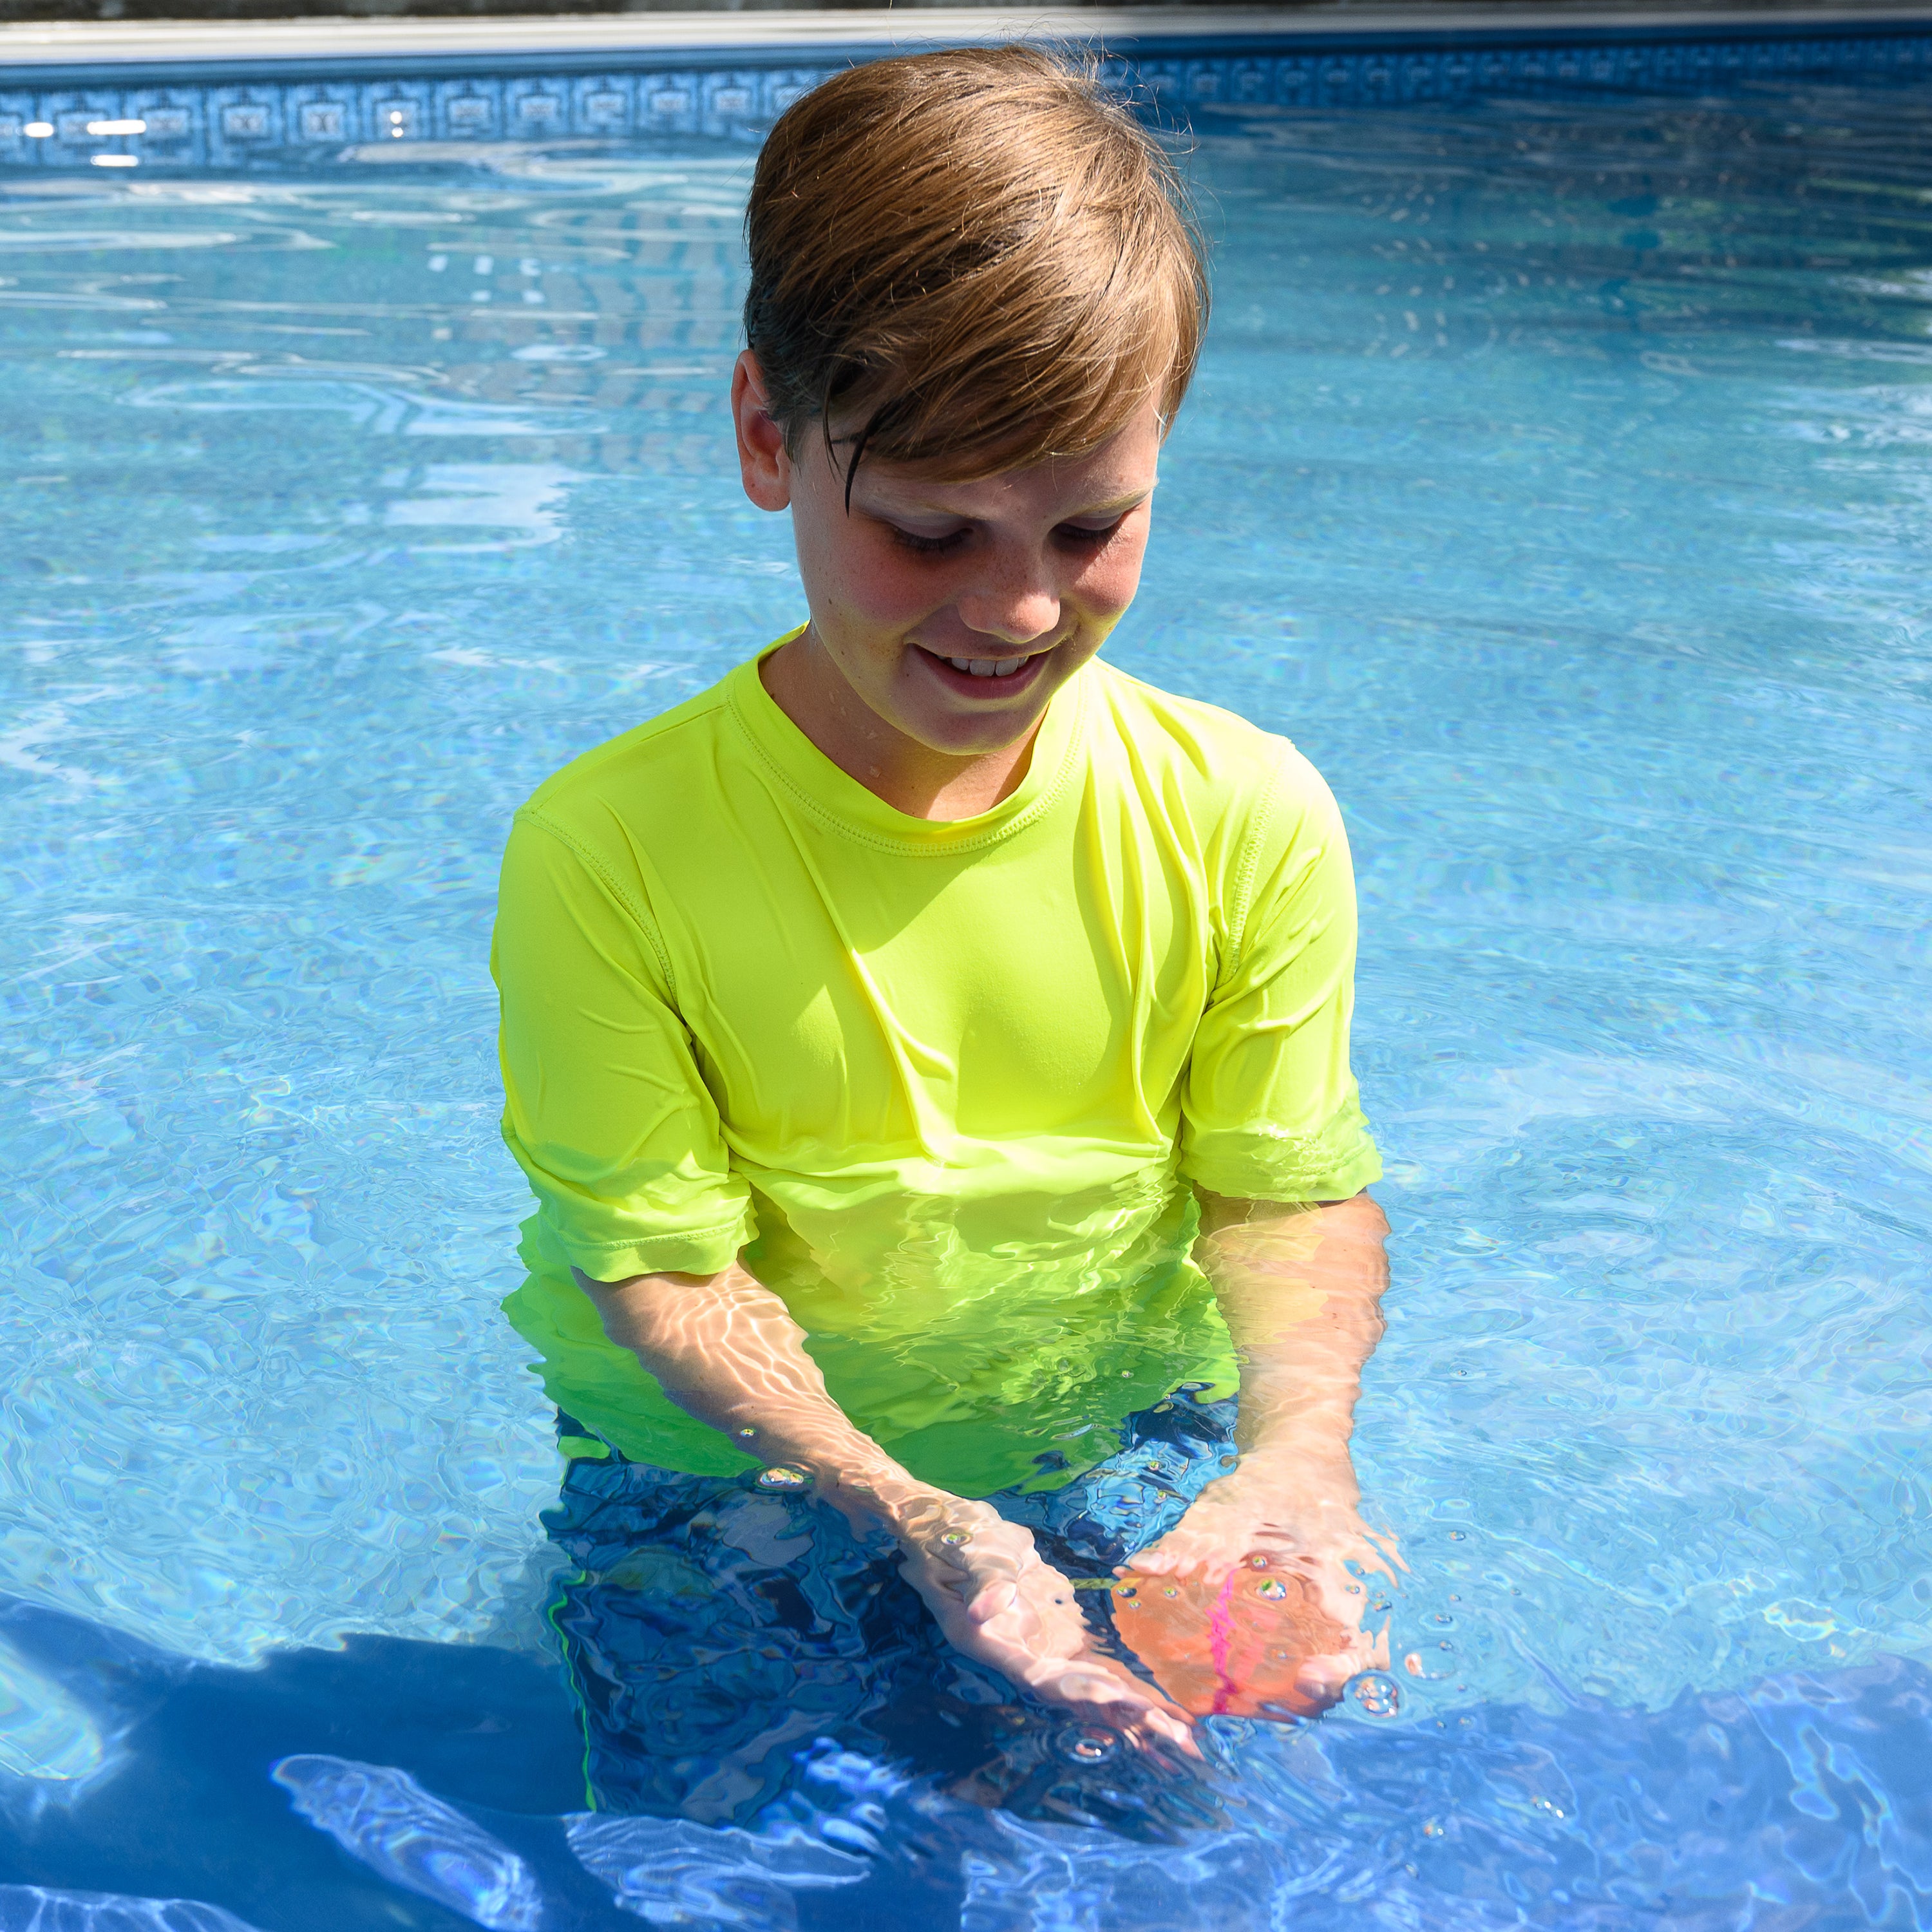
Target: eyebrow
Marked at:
1115, 506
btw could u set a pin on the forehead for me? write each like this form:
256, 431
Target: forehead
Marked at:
1115, 475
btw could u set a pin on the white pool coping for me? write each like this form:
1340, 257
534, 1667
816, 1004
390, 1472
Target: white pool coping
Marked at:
112, 43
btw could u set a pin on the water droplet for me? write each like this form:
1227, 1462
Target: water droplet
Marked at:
1089, 1744
783, 1476
1170, 1592
1259, 1562
745, 1434
1376, 1693
1274, 1589
957, 1537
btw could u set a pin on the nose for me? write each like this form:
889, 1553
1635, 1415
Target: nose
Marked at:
1014, 600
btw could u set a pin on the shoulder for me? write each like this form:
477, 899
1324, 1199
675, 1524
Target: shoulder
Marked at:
653, 763
612, 814
627, 804
1210, 753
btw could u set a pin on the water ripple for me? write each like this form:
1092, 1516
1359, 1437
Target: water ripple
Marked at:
385, 1818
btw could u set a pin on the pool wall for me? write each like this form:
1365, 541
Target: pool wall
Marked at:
260, 94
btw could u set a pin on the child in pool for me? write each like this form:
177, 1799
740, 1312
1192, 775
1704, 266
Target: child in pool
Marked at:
928, 1047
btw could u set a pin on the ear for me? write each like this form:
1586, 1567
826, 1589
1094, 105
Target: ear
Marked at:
762, 460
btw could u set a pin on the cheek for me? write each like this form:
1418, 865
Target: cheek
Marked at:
1107, 585
873, 582
892, 589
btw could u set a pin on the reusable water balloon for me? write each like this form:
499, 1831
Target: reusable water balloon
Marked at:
1242, 1648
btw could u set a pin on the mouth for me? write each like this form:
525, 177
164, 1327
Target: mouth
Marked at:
986, 677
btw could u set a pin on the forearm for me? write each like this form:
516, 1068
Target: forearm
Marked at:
1300, 1289
723, 1347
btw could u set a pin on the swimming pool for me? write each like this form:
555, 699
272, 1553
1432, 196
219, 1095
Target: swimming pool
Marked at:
1558, 479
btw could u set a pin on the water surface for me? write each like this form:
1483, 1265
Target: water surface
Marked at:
1558, 477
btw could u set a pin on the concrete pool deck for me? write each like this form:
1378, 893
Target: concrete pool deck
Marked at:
29, 48
265, 94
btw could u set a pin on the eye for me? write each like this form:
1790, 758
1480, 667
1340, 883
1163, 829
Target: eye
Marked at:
1087, 536
920, 546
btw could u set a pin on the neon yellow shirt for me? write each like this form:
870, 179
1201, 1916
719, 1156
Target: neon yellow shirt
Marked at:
943, 1084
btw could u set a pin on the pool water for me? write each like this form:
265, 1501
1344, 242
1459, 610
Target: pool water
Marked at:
1559, 477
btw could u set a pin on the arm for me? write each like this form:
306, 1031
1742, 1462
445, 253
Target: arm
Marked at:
1300, 1288
723, 1347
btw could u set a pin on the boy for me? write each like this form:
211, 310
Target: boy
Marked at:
929, 1047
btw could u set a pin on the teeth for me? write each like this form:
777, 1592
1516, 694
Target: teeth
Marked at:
987, 667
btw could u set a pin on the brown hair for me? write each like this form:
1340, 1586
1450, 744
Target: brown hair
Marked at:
972, 256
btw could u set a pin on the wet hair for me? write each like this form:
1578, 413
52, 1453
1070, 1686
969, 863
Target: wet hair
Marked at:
973, 259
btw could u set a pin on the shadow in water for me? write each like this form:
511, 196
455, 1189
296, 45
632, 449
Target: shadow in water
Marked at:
398, 1784
191, 1810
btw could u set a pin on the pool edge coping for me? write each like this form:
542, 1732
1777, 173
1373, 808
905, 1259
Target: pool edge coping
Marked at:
28, 48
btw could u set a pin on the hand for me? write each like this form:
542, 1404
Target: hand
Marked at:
1301, 1515
996, 1601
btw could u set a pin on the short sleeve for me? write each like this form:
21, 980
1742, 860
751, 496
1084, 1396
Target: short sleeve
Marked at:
605, 1109
1270, 1108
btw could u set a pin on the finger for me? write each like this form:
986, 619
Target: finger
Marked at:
1372, 1562
1331, 1670
1164, 1559
1122, 1698
993, 1600
1388, 1550
1160, 1727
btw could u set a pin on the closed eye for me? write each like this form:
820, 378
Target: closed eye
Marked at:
1079, 538
920, 546
1088, 536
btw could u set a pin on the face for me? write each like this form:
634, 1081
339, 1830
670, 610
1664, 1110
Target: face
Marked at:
954, 611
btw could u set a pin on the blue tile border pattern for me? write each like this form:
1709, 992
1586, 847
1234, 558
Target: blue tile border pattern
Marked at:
225, 118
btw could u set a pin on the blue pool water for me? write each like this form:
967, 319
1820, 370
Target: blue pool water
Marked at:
1559, 477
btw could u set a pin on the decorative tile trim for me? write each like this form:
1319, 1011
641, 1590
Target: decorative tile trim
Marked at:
224, 122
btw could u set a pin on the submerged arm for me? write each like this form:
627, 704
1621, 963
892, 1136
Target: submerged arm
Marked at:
725, 1349
1300, 1288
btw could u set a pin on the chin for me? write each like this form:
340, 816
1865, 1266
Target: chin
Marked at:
975, 744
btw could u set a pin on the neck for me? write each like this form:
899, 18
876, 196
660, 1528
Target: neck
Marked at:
912, 778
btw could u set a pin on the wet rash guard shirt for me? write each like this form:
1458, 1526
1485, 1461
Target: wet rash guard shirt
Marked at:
942, 1086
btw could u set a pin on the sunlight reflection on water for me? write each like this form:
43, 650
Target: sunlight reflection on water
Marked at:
1557, 478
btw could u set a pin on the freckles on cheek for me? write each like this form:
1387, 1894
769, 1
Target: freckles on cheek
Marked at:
1109, 588
884, 590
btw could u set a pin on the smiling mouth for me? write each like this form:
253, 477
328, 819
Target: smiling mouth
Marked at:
991, 675
987, 667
